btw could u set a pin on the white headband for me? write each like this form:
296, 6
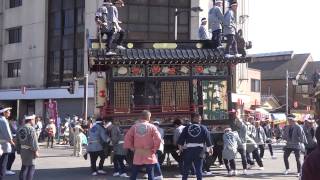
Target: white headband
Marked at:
5, 109
30, 117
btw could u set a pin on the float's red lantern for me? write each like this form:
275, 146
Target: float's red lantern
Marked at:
100, 92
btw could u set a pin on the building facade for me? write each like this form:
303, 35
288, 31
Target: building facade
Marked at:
273, 68
43, 46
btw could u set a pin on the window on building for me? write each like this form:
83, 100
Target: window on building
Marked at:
68, 65
14, 35
142, 21
14, 69
255, 85
302, 89
65, 41
15, 3
54, 64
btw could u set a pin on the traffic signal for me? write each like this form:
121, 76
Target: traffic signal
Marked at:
71, 87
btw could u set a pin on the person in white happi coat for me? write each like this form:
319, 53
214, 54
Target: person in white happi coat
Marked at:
77, 147
242, 131
252, 147
260, 137
203, 30
231, 141
6, 139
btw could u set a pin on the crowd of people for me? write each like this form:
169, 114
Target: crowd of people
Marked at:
223, 25
22, 137
142, 144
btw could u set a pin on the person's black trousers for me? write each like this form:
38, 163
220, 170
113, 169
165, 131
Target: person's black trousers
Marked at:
286, 154
208, 161
243, 158
110, 38
309, 150
261, 148
50, 140
3, 165
217, 153
93, 160
216, 38
256, 156
11, 158
232, 164
231, 44
270, 148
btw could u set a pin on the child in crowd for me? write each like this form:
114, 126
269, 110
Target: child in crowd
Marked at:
230, 145
117, 138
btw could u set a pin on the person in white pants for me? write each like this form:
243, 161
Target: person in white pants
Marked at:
77, 147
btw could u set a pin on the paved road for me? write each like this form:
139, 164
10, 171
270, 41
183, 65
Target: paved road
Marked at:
58, 164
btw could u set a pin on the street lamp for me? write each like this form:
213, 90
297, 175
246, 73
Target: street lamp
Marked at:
179, 11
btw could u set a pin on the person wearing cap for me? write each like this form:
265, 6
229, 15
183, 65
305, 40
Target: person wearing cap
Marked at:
231, 140
144, 140
309, 129
97, 138
230, 29
51, 132
215, 21
27, 147
6, 139
295, 137
203, 30
196, 138
241, 128
311, 165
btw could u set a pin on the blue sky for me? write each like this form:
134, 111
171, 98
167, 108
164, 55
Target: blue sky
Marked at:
285, 25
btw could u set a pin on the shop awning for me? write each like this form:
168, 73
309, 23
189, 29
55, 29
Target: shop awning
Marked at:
278, 118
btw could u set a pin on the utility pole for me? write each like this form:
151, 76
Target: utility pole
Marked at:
287, 92
85, 98
18, 110
176, 24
